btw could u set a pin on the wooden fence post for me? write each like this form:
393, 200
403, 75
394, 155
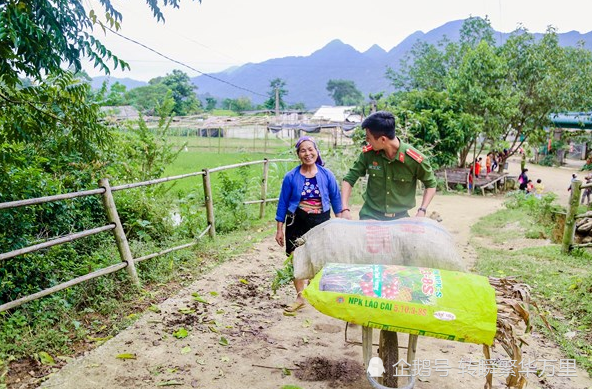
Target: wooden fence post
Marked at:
264, 188
570, 218
266, 138
118, 233
209, 202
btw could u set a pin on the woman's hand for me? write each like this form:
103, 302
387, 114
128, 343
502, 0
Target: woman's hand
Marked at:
279, 237
346, 214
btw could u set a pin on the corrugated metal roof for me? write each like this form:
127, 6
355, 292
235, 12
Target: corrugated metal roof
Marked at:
577, 120
334, 114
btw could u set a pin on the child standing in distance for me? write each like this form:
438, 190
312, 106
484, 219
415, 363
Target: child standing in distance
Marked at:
539, 188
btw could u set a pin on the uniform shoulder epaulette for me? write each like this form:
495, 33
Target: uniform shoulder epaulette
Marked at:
417, 157
365, 149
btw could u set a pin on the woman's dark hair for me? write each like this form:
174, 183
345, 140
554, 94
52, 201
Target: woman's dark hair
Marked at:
380, 123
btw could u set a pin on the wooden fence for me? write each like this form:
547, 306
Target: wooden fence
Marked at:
571, 217
127, 260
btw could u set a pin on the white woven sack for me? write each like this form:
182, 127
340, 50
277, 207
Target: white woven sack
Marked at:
409, 241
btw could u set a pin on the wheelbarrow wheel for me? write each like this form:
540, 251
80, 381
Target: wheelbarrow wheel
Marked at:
388, 351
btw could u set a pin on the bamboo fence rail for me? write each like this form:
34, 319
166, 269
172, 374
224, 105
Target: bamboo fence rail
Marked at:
127, 260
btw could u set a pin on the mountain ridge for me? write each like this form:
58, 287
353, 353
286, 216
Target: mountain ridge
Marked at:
306, 77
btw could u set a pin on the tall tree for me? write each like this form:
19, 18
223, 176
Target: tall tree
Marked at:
115, 96
531, 85
183, 89
476, 88
426, 66
277, 87
211, 103
147, 98
38, 39
344, 92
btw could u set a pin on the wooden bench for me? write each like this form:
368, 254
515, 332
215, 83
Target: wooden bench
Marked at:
490, 182
456, 176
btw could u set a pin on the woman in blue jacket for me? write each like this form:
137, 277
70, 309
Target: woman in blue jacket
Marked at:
308, 193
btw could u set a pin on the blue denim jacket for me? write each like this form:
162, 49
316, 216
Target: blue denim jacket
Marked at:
292, 188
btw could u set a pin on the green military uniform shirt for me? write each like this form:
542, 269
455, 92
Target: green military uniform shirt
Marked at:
391, 183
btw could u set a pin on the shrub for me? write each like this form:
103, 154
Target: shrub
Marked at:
549, 160
543, 209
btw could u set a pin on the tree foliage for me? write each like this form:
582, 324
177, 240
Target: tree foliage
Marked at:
428, 120
501, 93
211, 103
177, 84
237, 105
146, 98
276, 86
53, 139
58, 109
39, 37
344, 92
183, 92
113, 95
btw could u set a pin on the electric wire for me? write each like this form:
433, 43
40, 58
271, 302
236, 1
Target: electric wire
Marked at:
184, 64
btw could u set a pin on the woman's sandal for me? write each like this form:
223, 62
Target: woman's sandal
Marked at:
294, 307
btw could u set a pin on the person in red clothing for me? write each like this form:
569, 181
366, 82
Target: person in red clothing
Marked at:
477, 167
488, 162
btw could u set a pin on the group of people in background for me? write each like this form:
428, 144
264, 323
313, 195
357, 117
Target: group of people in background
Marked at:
530, 188
492, 161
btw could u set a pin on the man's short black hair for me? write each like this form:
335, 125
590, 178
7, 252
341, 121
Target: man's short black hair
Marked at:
380, 123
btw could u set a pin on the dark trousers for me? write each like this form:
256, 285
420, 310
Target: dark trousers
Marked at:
299, 223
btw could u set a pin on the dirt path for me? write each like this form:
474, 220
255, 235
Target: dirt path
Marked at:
242, 339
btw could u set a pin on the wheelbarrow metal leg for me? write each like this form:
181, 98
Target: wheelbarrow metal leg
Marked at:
366, 345
411, 348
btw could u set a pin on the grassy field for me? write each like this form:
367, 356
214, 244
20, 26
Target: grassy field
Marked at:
223, 145
560, 283
194, 161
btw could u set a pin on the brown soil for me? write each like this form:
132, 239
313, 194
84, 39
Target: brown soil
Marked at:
337, 373
240, 336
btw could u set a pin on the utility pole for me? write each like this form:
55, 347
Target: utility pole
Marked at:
277, 104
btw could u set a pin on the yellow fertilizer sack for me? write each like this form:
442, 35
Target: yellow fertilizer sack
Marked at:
416, 300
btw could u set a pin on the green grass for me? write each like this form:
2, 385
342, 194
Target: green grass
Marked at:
223, 112
109, 304
195, 161
513, 221
222, 145
561, 284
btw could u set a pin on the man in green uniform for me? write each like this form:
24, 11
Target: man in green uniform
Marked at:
393, 168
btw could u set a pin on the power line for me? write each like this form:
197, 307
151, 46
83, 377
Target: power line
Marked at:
183, 64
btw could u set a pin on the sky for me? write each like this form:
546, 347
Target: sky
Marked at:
218, 34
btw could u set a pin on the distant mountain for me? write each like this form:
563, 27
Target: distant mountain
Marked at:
97, 82
306, 77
